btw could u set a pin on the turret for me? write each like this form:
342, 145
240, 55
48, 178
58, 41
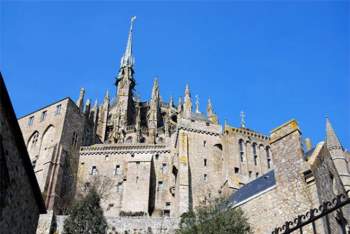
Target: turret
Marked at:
187, 103
210, 113
171, 102
80, 101
179, 106
102, 118
138, 124
154, 113
197, 105
94, 116
87, 108
337, 154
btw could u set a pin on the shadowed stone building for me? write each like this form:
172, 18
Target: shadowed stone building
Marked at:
155, 160
20, 198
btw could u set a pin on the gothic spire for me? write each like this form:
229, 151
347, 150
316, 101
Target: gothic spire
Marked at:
80, 100
331, 137
337, 154
155, 90
187, 103
210, 113
106, 95
171, 102
179, 105
209, 108
128, 60
197, 104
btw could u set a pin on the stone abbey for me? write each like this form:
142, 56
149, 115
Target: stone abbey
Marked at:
155, 160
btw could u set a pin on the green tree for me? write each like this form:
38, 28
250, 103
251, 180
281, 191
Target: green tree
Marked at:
86, 216
214, 219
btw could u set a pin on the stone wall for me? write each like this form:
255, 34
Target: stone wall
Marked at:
130, 225
20, 198
291, 196
117, 163
53, 136
328, 183
247, 155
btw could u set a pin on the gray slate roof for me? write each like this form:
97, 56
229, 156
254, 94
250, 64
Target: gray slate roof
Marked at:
254, 187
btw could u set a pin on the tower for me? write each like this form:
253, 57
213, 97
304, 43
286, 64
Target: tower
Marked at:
337, 154
125, 83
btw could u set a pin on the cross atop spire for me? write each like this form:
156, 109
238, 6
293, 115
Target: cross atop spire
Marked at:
128, 59
242, 119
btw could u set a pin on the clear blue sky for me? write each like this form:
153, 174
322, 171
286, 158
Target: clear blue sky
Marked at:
274, 60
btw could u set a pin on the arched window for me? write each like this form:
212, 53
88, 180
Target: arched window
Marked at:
218, 146
241, 149
33, 140
268, 157
128, 140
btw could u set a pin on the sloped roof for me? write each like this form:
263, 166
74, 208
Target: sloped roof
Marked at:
198, 116
255, 187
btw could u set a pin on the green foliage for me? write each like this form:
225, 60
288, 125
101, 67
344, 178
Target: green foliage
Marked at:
86, 216
214, 219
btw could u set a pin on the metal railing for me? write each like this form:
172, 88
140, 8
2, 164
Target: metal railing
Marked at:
321, 213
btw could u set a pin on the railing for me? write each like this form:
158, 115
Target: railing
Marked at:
322, 212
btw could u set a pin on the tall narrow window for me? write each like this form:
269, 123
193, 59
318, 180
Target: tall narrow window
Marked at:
241, 149
250, 174
117, 170
30, 120
43, 116
268, 157
160, 185
205, 177
93, 170
205, 162
58, 109
254, 148
254, 154
164, 168
119, 187
257, 174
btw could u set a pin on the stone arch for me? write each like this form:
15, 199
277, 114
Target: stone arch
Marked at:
218, 146
128, 140
33, 144
48, 137
44, 162
160, 140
